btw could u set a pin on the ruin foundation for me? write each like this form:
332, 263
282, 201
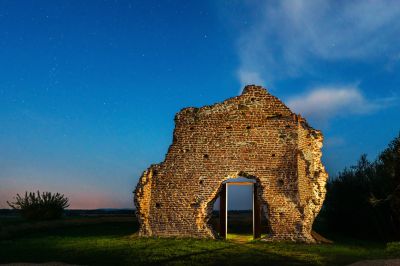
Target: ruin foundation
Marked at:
253, 135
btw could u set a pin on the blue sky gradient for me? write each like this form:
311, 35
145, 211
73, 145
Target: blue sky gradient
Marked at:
89, 90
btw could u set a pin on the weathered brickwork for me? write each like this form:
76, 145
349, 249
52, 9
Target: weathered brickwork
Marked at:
252, 135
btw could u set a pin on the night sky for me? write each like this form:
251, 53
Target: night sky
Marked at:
89, 89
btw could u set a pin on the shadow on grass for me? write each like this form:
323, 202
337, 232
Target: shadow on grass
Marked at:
72, 227
114, 242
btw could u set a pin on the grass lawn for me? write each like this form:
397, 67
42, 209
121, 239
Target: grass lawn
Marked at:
113, 242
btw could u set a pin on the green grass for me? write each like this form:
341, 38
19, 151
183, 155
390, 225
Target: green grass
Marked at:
114, 242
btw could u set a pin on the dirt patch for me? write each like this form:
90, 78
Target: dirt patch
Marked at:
320, 239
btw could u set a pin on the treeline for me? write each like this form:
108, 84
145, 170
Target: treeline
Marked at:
363, 201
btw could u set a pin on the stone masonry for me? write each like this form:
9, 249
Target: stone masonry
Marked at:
253, 135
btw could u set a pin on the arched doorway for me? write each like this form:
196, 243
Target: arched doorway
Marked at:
223, 205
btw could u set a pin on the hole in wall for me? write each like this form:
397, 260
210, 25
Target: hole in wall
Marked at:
299, 227
242, 107
158, 205
281, 182
194, 205
248, 127
205, 156
229, 127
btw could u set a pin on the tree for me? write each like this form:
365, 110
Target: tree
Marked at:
364, 200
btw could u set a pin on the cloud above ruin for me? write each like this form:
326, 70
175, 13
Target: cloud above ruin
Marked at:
322, 103
285, 38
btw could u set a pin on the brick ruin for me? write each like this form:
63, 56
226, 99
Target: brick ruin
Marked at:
253, 135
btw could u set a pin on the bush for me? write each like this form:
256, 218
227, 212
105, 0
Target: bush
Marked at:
40, 206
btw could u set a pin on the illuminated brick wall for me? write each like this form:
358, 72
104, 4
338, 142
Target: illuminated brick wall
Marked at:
253, 135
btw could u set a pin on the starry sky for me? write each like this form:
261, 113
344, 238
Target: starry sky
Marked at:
89, 89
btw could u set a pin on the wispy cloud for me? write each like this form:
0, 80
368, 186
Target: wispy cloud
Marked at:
248, 77
322, 103
285, 37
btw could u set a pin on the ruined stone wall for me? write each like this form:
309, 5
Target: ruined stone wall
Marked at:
253, 135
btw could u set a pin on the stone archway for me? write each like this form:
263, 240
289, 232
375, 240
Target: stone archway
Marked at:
253, 134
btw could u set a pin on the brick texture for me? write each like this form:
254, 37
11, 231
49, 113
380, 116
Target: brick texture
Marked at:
253, 135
